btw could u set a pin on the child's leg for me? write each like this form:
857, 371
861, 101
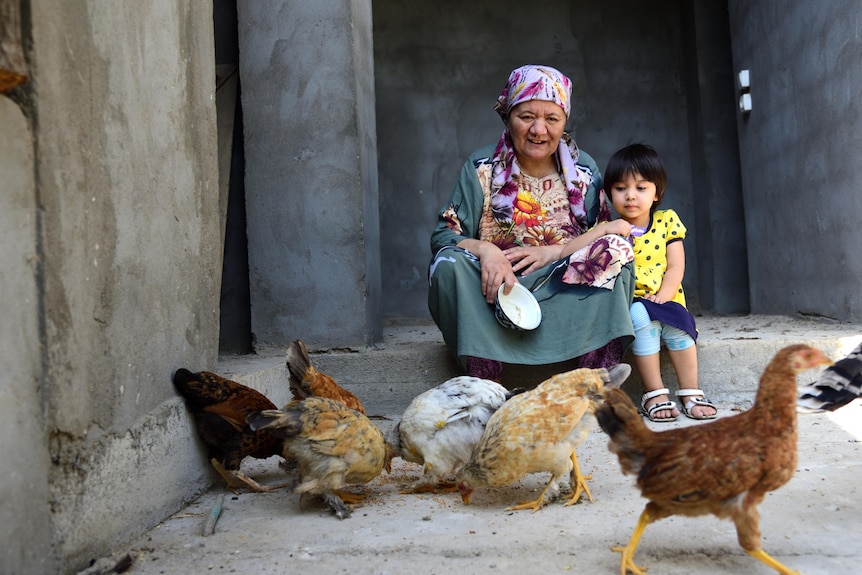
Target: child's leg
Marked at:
647, 361
683, 356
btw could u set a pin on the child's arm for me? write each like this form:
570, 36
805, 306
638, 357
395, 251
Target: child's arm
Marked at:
672, 278
618, 226
527, 259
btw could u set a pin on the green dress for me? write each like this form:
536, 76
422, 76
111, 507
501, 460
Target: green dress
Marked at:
576, 319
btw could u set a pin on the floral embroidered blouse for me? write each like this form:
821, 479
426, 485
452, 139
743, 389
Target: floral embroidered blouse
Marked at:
541, 215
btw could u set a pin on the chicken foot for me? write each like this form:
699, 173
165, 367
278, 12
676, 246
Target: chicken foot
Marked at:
537, 503
748, 534
579, 482
236, 479
342, 511
764, 557
430, 487
627, 564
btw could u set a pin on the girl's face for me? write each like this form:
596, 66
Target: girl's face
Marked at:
536, 127
633, 198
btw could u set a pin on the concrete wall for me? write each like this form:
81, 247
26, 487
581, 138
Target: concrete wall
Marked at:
642, 71
111, 266
307, 75
800, 148
24, 456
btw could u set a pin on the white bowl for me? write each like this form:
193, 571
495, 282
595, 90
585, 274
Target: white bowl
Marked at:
519, 309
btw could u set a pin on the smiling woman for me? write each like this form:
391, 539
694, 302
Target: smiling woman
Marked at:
514, 207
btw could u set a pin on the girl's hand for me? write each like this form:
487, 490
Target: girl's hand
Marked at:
527, 259
619, 227
655, 298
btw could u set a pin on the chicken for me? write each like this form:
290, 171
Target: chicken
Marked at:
333, 445
306, 381
836, 386
219, 407
440, 427
540, 430
724, 467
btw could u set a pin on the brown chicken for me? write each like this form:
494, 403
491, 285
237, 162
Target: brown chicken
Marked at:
306, 381
724, 467
219, 407
333, 444
540, 430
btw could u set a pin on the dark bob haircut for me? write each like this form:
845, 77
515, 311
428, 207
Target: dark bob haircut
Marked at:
637, 159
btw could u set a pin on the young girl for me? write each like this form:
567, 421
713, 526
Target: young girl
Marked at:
636, 179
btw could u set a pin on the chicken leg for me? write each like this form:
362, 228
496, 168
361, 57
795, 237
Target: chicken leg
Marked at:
539, 502
627, 564
764, 557
747, 522
236, 478
430, 487
579, 482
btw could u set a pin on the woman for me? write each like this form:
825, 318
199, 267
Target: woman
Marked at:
513, 208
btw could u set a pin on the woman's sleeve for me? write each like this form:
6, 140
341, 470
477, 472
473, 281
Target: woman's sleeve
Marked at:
460, 217
591, 199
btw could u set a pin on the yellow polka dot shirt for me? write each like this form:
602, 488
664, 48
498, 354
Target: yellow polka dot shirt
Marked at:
651, 253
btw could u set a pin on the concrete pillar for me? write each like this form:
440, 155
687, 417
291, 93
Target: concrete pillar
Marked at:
307, 73
25, 544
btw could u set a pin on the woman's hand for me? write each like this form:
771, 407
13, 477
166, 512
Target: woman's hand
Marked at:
527, 259
496, 269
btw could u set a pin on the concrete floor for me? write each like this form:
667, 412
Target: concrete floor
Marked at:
811, 524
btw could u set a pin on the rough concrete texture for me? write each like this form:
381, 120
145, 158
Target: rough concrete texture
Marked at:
810, 524
24, 456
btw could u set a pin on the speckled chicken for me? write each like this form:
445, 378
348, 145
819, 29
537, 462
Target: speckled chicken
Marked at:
219, 407
440, 427
306, 381
540, 430
724, 467
334, 445
835, 387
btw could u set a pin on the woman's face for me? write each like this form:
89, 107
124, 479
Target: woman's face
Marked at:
536, 127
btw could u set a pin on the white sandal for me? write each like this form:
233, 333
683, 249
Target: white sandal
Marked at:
698, 399
650, 411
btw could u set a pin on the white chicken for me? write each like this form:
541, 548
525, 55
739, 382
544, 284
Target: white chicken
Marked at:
440, 427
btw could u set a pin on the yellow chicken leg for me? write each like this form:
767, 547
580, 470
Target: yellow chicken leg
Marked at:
237, 478
579, 482
424, 487
537, 503
627, 564
351, 498
764, 557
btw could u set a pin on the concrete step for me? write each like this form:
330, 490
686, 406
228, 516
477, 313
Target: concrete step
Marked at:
732, 353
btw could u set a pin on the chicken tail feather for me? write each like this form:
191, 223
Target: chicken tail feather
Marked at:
298, 364
280, 423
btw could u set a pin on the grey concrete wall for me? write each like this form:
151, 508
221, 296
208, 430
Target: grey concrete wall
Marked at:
800, 148
441, 64
25, 522
307, 74
116, 286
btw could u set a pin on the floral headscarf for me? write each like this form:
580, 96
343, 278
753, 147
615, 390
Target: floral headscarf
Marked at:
539, 83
